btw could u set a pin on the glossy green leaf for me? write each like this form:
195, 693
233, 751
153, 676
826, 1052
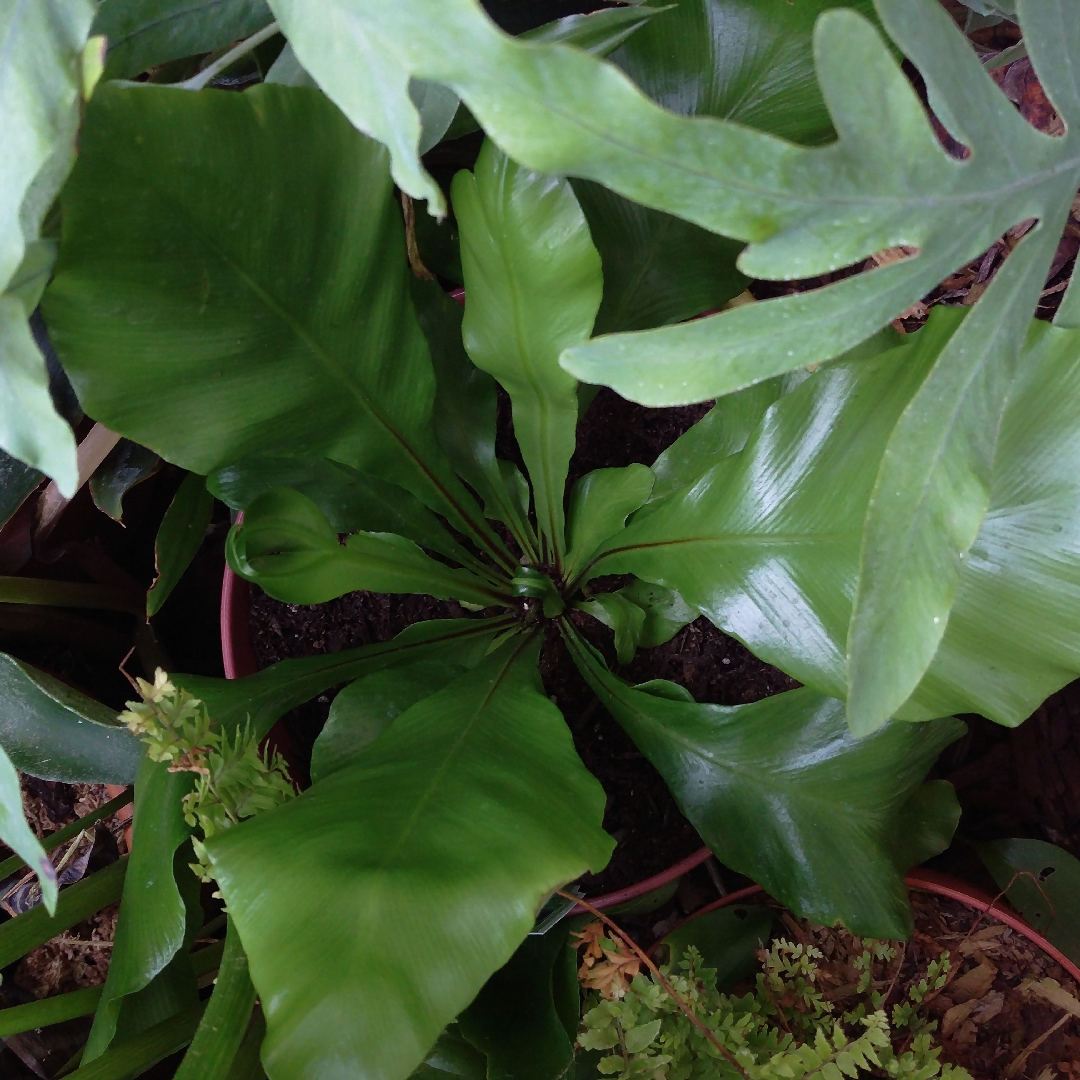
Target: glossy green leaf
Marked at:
267, 695
351, 500
367, 707
600, 502
77, 902
722, 432
666, 612
127, 465
623, 616
40, 74
658, 269
52, 1010
135, 1056
225, 1020
287, 546
513, 1020
452, 1056
468, 810
533, 281
17, 834
728, 940
598, 32
153, 922
765, 542
251, 311
179, 537
1043, 883
51, 731
750, 61
781, 791
465, 405
145, 33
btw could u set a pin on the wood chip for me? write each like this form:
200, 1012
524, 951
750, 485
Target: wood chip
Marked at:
1051, 990
974, 983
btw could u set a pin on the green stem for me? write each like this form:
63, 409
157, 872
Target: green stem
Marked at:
54, 1010
225, 1021
54, 840
208, 74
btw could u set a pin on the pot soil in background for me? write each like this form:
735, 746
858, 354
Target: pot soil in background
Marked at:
641, 814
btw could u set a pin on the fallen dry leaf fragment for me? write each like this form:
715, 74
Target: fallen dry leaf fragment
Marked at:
974, 983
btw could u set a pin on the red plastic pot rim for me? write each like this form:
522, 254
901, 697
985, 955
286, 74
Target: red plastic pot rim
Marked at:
931, 881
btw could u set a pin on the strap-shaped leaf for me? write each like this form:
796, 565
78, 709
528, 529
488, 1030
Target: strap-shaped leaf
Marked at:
144, 33
287, 546
281, 331
534, 284
445, 835
153, 917
350, 499
16, 833
260, 699
54, 732
782, 791
600, 503
40, 80
182, 531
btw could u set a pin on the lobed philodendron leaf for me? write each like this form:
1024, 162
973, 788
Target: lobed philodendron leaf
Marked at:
40, 83
446, 834
259, 284
287, 546
781, 791
534, 284
144, 33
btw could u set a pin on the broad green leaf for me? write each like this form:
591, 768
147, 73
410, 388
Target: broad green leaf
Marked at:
51, 731
750, 61
623, 616
153, 919
452, 1056
287, 546
599, 32
468, 810
267, 695
666, 612
533, 282
282, 333
765, 543
367, 707
127, 465
728, 940
465, 405
514, 1021
658, 269
40, 74
225, 1021
350, 499
600, 503
77, 902
182, 531
781, 791
930, 818
145, 33
720, 433
1043, 883
16, 833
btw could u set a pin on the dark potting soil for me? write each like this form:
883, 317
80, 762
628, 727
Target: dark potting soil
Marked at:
640, 813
